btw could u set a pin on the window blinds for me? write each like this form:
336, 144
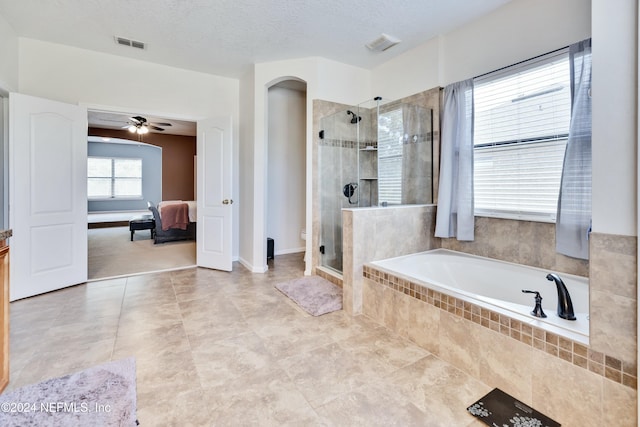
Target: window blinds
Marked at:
522, 116
390, 148
114, 177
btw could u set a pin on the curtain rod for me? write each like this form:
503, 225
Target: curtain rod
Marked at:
517, 63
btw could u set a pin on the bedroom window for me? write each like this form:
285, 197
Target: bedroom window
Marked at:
521, 126
114, 178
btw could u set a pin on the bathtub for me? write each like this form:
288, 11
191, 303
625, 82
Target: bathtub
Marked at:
496, 285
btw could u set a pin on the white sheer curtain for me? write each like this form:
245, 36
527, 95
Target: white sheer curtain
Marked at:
573, 221
455, 192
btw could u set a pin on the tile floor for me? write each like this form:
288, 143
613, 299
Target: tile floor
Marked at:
227, 349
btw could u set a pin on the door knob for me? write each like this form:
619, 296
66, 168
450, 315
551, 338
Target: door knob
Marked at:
227, 202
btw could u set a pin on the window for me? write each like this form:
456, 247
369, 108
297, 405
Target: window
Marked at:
521, 125
114, 178
390, 147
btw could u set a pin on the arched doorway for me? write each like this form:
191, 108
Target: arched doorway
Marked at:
286, 166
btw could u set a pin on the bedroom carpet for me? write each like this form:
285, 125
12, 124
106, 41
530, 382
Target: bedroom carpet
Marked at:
103, 395
112, 253
315, 295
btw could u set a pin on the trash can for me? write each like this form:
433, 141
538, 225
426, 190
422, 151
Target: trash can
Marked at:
269, 248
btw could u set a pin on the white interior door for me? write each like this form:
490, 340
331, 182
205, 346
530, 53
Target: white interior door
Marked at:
214, 162
47, 195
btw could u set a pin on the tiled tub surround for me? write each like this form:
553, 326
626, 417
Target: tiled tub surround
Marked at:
611, 270
495, 285
535, 245
614, 298
564, 379
371, 234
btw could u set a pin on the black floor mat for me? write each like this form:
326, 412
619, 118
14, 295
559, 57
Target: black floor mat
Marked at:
499, 409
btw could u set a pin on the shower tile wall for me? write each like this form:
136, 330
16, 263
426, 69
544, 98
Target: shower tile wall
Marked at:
334, 165
337, 168
370, 234
417, 151
320, 109
368, 173
423, 176
419, 179
417, 182
369, 157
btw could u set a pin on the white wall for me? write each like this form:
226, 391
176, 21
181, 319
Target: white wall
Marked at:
615, 59
519, 30
9, 55
76, 75
246, 162
286, 171
412, 72
79, 76
342, 83
325, 79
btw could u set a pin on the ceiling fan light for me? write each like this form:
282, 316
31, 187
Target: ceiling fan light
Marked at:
132, 128
142, 130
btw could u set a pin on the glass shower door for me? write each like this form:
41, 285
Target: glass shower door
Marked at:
338, 183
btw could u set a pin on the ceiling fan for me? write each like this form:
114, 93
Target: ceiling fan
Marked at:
140, 125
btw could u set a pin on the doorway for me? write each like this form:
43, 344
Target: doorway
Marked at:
286, 168
166, 156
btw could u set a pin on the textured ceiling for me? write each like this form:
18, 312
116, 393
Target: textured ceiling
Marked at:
224, 37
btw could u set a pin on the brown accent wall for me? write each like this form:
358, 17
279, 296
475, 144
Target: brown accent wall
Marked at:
177, 160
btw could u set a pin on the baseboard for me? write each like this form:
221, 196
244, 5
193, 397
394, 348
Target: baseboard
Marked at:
289, 251
251, 268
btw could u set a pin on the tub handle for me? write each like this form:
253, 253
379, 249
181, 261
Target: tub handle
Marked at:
537, 310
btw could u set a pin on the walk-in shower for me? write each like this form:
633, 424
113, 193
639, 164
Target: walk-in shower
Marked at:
375, 154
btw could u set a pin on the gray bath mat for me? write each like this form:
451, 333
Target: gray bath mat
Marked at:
103, 395
315, 295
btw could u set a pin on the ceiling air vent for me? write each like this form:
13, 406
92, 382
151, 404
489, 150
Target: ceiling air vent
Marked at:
382, 43
128, 42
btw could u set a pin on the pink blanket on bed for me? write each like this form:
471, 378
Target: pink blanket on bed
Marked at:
175, 215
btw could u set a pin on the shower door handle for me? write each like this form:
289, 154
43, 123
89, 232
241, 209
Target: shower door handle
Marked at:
227, 202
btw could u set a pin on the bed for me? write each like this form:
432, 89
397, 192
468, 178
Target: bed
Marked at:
175, 220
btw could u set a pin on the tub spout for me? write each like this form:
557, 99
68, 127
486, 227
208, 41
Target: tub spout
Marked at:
565, 306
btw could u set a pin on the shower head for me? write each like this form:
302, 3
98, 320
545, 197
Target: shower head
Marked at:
355, 118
